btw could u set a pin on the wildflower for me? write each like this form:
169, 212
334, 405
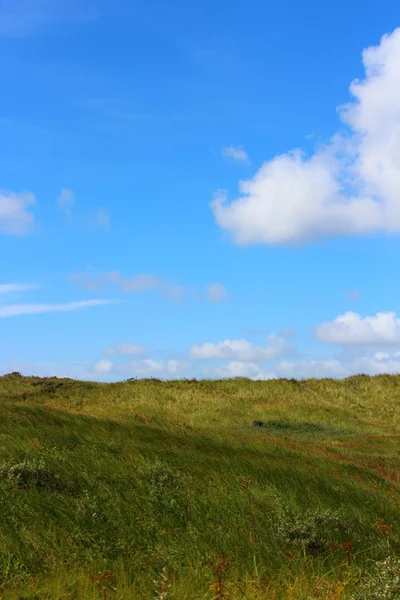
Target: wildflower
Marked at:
383, 527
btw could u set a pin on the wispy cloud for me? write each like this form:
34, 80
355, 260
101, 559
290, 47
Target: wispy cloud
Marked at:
93, 281
66, 203
124, 349
353, 295
15, 310
115, 108
101, 281
19, 18
9, 288
102, 219
235, 153
15, 215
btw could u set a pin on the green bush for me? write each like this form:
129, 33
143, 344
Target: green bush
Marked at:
314, 531
31, 472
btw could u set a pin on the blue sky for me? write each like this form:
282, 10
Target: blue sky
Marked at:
199, 190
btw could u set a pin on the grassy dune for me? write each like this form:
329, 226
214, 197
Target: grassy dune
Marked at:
164, 490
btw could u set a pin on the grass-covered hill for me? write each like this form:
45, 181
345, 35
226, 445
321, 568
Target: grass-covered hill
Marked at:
165, 490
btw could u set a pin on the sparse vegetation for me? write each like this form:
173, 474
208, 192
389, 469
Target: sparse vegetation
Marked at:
149, 489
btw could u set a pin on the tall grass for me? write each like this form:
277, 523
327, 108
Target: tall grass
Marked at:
149, 489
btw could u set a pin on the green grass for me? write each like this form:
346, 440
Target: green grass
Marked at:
149, 489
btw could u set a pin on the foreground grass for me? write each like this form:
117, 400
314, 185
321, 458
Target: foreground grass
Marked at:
148, 489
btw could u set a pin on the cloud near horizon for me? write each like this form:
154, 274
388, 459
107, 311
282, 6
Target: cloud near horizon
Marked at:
143, 367
349, 187
382, 329
242, 350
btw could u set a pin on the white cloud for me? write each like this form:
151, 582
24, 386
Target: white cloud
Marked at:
9, 288
149, 366
66, 200
216, 293
349, 187
235, 153
124, 349
241, 350
103, 366
383, 329
15, 217
14, 310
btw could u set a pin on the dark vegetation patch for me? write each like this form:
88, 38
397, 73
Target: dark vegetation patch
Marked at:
295, 427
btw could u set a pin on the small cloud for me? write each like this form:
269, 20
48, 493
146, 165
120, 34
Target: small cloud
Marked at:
235, 153
66, 201
15, 218
103, 366
102, 219
124, 349
353, 295
14, 310
216, 293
